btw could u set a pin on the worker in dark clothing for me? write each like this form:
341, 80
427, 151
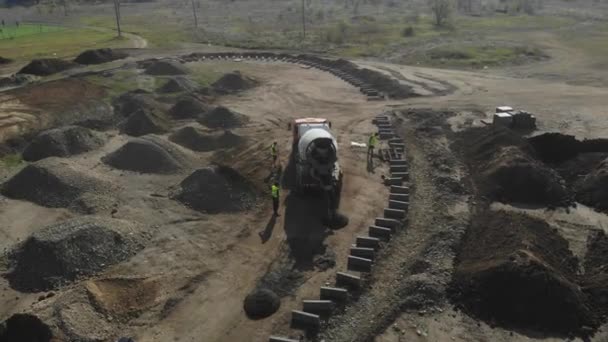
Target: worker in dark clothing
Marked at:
274, 152
274, 191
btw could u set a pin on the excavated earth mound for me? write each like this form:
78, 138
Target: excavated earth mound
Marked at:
592, 190
99, 56
45, 67
198, 140
517, 271
261, 304
56, 183
149, 154
233, 82
513, 176
60, 253
188, 107
595, 281
16, 80
5, 60
179, 84
132, 101
24, 327
222, 117
62, 142
145, 121
165, 68
556, 147
216, 189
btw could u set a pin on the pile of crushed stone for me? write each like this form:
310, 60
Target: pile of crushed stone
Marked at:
222, 117
46, 67
132, 101
62, 142
58, 254
56, 183
261, 303
148, 154
164, 68
25, 327
16, 80
188, 107
518, 272
179, 84
216, 189
201, 141
145, 121
233, 82
99, 56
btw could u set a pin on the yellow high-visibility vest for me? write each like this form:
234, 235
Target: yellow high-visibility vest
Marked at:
373, 141
275, 191
273, 149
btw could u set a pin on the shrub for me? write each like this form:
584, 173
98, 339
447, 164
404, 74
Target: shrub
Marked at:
408, 32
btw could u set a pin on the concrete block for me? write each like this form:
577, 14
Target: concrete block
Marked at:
348, 280
333, 293
394, 181
397, 214
380, 232
363, 252
305, 320
403, 175
398, 168
398, 162
387, 223
396, 140
398, 205
397, 197
281, 339
400, 189
384, 136
396, 145
368, 242
317, 306
359, 264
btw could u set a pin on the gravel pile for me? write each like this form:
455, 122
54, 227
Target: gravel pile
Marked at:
179, 84
132, 101
149, 154
222, 117
62, 142
233, 82
63, 252
145, 121
188, 107
99, 56
45, 67
201, 141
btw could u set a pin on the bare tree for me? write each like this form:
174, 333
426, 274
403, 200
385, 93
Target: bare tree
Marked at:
442, 11
194, 13
117, 13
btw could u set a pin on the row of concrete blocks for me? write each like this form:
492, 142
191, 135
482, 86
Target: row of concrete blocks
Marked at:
365, 88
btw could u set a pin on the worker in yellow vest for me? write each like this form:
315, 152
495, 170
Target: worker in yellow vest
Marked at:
371, 144
274, 191
274, 152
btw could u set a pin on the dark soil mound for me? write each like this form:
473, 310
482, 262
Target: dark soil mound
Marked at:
518, 272
179, 84
145, 121
99, 56
201, 141
24, 328
61, 253
216, 189
149, 154
222, 117
165, 68
45, 67
513, 176
5, 60
188, 107
480, 144
558, 148
133, 101
575, 169
261, 304
16, 80
62, 142
54, 183
233, 82
596, 270
592, 190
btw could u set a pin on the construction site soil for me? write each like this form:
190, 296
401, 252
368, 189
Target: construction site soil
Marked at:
223, 118
46, 67
188, 107
180, 84
99, 56
60, 253
164, 68
25, 327
4, 60
201, 140
233, 82
62, 142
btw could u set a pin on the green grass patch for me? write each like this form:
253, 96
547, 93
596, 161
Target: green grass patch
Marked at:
11, 160
61, 43
14, 31
122, 81
504, 22
477, 55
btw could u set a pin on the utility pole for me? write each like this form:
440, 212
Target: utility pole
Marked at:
303, 21
194, 12
117, 12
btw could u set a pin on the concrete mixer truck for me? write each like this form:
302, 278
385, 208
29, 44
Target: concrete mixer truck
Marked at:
315, 153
